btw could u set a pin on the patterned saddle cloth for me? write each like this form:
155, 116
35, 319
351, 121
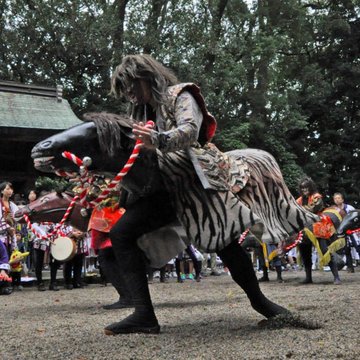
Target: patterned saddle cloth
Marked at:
223, 172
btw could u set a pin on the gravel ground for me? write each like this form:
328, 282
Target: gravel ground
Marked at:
208, 320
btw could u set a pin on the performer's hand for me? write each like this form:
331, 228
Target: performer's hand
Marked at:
143, 133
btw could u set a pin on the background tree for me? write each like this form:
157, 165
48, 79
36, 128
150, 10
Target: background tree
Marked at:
280, 75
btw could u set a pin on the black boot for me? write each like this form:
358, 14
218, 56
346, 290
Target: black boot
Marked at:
111, 271
278, 272
143, 320
242, 271
150, 275
53, 286
162, 275
335, 272
306, 251
178, 272
308, 274
265, 276
120, 304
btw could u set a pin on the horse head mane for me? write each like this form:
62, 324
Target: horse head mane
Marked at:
110, 128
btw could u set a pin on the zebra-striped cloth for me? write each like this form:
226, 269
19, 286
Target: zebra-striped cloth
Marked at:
211, 219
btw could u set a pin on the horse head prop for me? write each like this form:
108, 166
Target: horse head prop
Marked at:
108, 140
350, 222
51, 208
100, 134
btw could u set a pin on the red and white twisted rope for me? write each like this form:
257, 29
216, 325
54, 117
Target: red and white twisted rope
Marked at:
297, 241
114, 182
350, 232
68, 155
243, 236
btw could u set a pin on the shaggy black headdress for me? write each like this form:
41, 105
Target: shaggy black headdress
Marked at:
110, 128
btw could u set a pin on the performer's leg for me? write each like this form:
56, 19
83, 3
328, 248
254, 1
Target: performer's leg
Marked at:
178, 270
262, 266
197, 265
277, 263
39, 263
306, 251
77, 267
162, 274
54, 266
67, 269
213, 266
333, 265
143, 216
150, 273
242, 271
111, 270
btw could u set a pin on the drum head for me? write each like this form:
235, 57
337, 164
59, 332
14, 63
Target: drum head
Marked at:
63, 249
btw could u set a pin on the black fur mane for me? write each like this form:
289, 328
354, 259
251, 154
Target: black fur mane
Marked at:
114, 131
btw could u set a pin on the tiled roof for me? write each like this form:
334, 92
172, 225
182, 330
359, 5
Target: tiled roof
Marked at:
23, 106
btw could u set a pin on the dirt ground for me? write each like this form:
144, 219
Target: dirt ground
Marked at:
208, 320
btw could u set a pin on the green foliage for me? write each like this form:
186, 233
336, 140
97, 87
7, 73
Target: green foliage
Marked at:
278, 75
44, 183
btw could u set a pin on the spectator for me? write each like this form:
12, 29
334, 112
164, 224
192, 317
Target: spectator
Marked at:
5, 279
72, 268
162, 274
275, 262
193, 263
7, 222
213, 267
351, 242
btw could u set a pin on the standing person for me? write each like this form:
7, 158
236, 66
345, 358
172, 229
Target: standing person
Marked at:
275, 262
351, 242
103, 218
72, 268
41, 247
7, 222
183, 129
312, 201
193, 264
204, 265
32, 196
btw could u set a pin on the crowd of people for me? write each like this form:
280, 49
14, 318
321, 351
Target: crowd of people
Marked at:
24, 251
27, 252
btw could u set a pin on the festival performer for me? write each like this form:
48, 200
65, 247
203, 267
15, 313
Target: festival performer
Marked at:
103, 218
310, 198
7, 222
183, 129
41, 246
322, 231
5, 279
72, 268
